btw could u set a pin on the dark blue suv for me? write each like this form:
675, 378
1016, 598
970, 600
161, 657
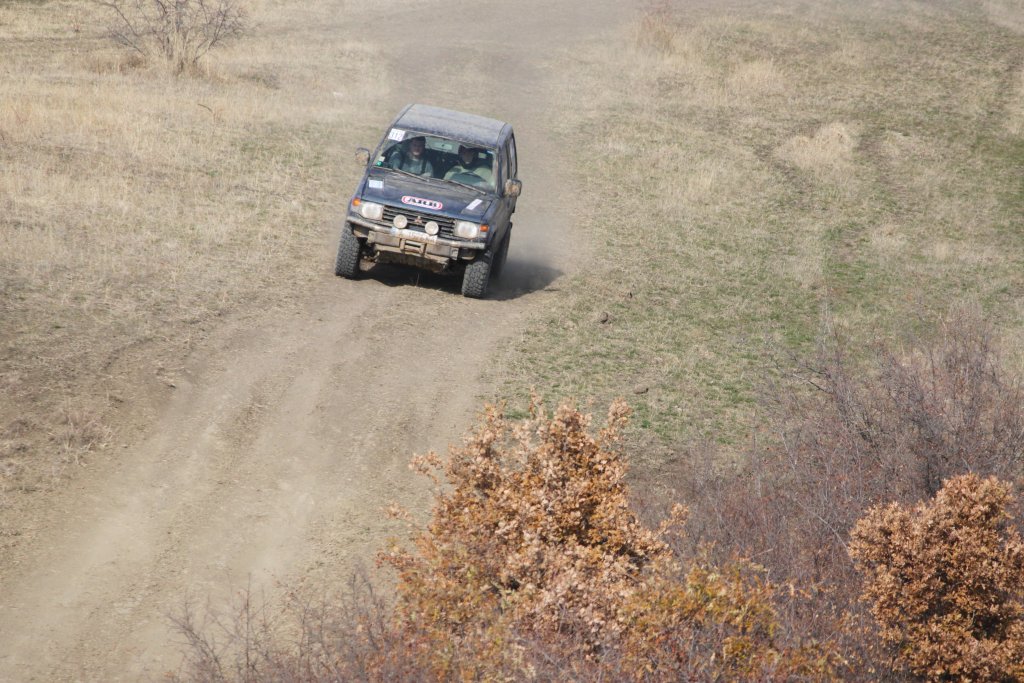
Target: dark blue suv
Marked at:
438, 193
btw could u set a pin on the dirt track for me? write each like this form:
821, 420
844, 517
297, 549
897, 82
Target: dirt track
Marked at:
284, 438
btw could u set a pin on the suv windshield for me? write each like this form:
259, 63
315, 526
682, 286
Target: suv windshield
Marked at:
431, 156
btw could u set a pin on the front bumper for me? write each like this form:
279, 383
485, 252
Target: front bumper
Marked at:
414, 235
413, 243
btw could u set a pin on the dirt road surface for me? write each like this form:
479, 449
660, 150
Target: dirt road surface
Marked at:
286, 436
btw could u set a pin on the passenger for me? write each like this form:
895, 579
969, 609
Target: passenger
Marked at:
412, 159
469, 162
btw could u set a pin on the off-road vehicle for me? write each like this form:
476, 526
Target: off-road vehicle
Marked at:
438, 193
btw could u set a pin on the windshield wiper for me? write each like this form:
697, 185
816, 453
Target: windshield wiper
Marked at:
472, 187
408, 173
427, 178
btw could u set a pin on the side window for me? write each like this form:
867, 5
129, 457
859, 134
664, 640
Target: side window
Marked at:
512, 157
505, 165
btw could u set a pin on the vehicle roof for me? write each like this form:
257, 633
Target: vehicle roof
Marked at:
478, 130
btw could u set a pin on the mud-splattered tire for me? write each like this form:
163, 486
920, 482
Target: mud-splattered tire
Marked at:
476, 277
501, 256
349, 252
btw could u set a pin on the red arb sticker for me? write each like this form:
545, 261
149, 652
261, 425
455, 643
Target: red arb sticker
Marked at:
422, 203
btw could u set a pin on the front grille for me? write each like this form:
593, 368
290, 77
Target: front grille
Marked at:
417, 220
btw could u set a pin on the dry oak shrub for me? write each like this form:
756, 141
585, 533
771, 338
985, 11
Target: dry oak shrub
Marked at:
535, 565
945, 581
532, 567
847, 434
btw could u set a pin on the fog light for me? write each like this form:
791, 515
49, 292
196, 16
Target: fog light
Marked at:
431, 227
401, 221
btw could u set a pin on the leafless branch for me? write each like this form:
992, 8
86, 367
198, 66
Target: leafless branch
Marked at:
181, 32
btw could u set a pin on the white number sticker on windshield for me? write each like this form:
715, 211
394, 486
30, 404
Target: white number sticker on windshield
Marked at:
396, 134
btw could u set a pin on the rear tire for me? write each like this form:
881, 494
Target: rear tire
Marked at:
476, 277
350, 251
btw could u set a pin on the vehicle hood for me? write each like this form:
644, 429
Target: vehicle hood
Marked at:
428, 196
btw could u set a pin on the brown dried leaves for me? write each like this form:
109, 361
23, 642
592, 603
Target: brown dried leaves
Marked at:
945, 581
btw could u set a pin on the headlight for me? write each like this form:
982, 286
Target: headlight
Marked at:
466, 230
371, 211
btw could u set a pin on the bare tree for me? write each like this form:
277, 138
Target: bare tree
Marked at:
180, 31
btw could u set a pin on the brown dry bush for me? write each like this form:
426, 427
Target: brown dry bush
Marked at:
535, 564
945, 580
848, 435
532, 567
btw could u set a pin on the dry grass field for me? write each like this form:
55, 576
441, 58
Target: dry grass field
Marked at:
744, 175
136, 207
745, 169
751, 169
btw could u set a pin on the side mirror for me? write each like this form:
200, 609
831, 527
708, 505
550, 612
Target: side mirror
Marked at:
513, 188
362, 156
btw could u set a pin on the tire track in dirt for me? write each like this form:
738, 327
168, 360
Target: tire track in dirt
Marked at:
284, 439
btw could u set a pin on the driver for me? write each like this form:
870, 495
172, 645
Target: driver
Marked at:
469, 162
413, 159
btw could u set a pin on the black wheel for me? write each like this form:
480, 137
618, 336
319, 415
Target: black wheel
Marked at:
476, 277
501, 256
349, 252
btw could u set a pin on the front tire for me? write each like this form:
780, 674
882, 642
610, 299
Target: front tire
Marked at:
476, 277
350, 251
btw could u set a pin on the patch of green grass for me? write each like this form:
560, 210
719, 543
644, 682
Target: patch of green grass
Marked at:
766, 167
